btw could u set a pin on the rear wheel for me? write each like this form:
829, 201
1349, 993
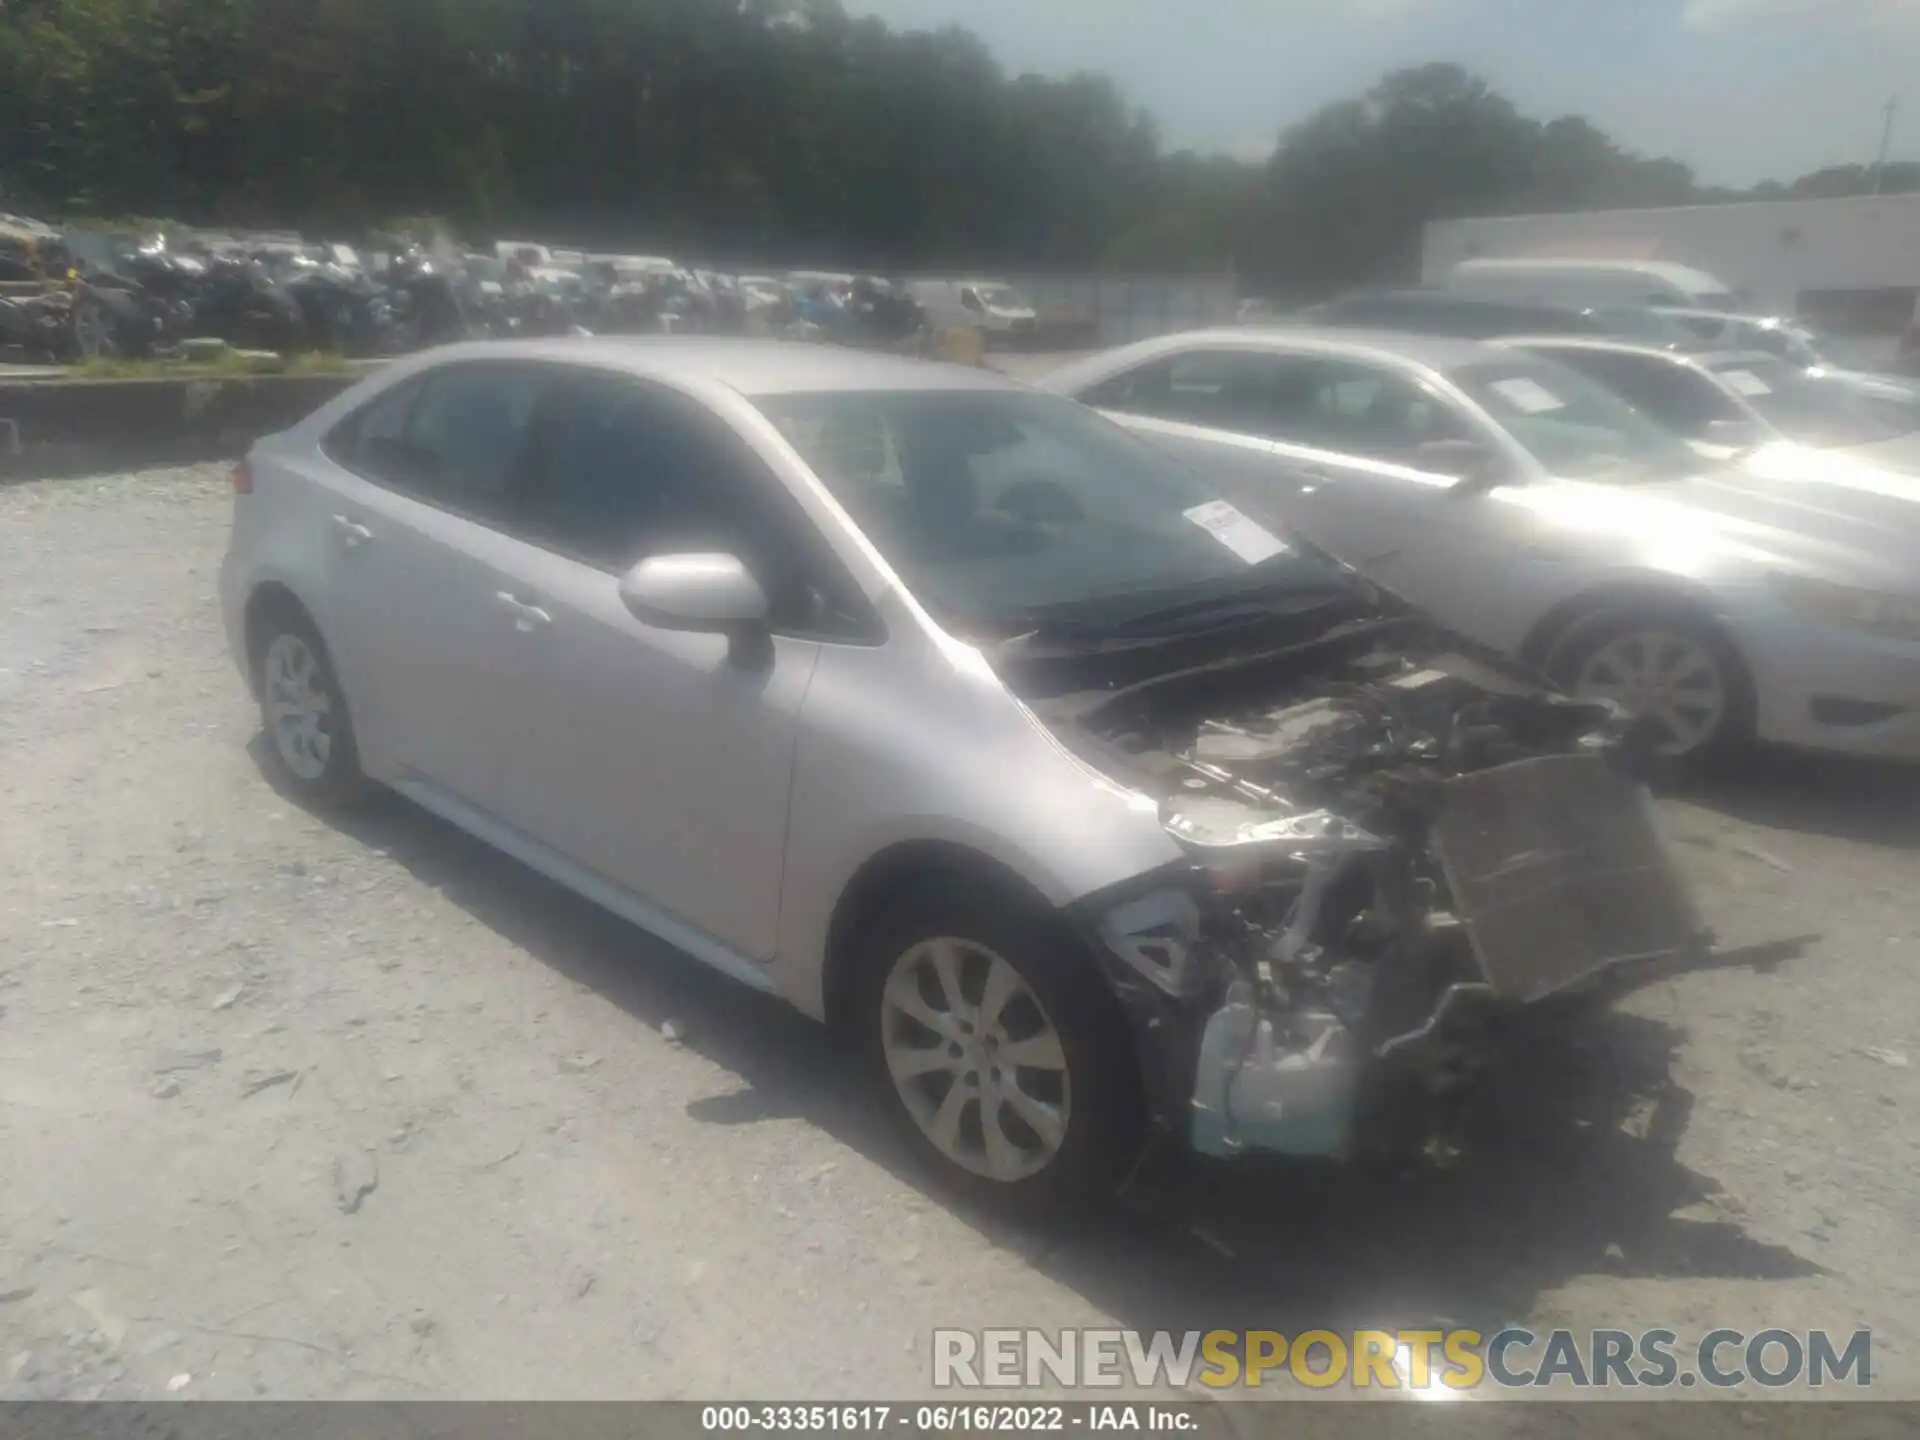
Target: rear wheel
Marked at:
90, 330
1672, 667
303, 712
996, 1045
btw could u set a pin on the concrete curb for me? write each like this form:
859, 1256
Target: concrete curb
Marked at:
54, 427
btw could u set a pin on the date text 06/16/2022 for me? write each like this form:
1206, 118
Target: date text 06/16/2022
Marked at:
945, 1418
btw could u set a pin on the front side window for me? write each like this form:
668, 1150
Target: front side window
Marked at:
1673, 395
1574, 426
1363, 410
1001, 508
623, 470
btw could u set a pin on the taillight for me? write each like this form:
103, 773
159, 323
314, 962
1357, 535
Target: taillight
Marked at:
242, 479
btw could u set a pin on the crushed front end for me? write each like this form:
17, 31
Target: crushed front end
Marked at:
1396, 847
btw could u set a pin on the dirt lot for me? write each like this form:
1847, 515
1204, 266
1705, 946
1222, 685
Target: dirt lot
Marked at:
295, 1109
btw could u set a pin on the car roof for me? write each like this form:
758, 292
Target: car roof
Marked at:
1708, 358
1682, 275
1437, 352
749, 366
1765, 322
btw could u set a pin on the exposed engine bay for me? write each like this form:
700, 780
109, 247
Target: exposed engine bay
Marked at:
1394, 844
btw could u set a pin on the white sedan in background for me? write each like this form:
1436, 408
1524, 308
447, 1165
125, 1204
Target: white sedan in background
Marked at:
1528, 506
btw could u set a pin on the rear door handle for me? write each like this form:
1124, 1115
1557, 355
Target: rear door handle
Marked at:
525, 617
352, 533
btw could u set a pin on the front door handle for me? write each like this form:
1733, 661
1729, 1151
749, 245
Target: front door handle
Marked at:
352, 533
526, 617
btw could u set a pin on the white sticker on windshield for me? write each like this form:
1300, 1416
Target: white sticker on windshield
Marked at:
1248, 539
1528, 395
1745, 382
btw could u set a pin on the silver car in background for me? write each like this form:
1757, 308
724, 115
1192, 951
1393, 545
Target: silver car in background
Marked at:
1528, 506
1729, 402
954, 715
1848, 360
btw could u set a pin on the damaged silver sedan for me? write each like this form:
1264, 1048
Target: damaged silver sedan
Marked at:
1089, 805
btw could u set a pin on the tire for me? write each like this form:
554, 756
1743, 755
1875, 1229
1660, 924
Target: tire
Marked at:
1698, 690
91, 330
303, 713
1066, 1121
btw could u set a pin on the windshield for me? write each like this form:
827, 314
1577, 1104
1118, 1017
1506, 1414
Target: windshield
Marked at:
1575, 427
1812, 409
1005, 510
1641, 324
1000, 297
1790, 343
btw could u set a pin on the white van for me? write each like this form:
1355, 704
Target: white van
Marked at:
986, 305
1632, 283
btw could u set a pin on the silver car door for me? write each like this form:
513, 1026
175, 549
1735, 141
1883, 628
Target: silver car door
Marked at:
660, 760
434, 665
1353, 433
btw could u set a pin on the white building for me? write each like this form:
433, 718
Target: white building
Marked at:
1856, 256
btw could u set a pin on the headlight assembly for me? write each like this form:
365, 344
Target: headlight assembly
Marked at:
1873, 611
1157, 935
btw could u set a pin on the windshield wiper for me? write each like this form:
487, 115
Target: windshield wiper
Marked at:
1182, 617
1180, 621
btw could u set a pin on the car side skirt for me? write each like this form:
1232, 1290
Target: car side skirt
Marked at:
586, 883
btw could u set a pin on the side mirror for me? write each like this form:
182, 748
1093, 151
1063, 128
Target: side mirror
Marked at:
703, 592
1473, 466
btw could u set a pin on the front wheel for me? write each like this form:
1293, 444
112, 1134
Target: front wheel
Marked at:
1671, 667
997, 1046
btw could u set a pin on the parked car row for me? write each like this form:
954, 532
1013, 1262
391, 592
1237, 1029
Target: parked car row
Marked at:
85, 296
1719, 541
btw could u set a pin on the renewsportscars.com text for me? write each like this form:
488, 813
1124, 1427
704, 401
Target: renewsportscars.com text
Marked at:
1453, 1360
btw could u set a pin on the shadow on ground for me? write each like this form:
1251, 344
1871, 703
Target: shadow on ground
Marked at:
1872, 802
1567, 1163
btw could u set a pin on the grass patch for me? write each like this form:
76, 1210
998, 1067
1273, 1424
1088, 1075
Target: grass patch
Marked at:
226, 365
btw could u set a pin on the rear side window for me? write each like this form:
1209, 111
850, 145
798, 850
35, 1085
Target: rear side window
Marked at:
454, 437
1223, 389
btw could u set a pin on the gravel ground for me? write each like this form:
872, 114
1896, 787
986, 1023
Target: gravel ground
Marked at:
304, 1109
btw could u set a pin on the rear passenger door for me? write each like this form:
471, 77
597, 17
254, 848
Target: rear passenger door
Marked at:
436, 661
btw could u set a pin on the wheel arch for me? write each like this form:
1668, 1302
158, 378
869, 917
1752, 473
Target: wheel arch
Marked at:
875, 885
266, 600
1576, 611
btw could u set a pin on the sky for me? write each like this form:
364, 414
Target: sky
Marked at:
1742, 90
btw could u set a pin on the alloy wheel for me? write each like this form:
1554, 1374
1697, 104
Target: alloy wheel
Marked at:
975, 1059
1669, 678
299, 706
